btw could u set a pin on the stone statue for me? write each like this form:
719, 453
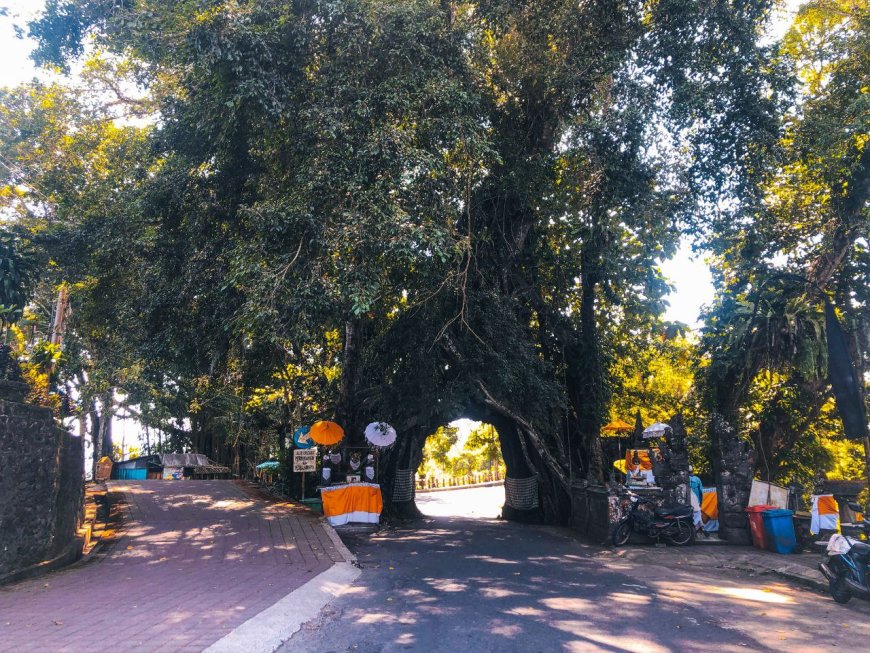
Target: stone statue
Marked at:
671, 465
734, 468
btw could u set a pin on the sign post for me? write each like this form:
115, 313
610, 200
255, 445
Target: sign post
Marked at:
304, 460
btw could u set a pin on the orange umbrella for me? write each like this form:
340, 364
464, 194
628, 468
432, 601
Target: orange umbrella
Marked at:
615, 428
326, 433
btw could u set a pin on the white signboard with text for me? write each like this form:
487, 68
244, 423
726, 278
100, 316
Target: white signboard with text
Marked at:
304, 460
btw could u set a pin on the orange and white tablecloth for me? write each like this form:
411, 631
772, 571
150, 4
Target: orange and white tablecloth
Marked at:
354, 502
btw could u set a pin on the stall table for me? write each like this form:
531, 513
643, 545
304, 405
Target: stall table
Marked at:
352, 502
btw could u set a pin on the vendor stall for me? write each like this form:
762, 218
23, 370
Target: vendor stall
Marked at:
354, 502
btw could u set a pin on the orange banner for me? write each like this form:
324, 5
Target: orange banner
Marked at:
828, 505
710, 506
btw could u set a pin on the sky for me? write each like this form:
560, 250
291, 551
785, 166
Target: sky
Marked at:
16, 68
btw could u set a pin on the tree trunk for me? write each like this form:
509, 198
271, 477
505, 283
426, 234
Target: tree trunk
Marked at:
101, 429
589, 388
107, 447
395, 466
346, 407
96, 438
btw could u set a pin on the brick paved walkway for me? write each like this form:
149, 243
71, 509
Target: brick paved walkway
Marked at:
194, 560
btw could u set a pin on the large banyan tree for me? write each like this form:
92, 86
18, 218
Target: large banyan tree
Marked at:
405, 211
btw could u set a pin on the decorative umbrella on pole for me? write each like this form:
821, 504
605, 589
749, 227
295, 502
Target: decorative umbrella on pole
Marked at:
326, 433
655, 430
617, 429
380, 434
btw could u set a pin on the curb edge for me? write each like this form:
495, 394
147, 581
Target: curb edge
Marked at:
340, 546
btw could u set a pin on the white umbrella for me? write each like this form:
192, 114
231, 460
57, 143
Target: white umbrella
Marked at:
655, 430
380, 434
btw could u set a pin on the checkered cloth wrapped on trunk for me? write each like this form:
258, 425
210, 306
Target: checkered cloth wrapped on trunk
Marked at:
403, 485
521, 493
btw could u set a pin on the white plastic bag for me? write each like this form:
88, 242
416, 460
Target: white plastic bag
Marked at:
838, 545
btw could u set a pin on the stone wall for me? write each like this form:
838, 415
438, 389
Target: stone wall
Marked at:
41, 485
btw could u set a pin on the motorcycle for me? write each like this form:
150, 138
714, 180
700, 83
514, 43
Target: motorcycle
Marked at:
846, 565
674, 525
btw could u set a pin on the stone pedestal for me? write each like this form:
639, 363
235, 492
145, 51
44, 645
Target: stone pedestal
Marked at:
594, 510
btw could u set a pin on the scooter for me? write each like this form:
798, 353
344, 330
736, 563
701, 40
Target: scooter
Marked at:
846, 565
674, 525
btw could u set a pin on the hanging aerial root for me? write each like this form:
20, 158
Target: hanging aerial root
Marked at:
558, 469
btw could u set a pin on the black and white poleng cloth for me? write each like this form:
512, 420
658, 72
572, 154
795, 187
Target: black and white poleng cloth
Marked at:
521, 493
403, 485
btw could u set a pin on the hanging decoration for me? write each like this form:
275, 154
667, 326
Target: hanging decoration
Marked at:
380, 434
369, 473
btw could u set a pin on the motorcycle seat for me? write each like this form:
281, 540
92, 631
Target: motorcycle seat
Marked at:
674, 511
860, 551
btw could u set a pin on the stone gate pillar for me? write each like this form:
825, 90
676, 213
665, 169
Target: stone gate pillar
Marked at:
734, 469
671, 466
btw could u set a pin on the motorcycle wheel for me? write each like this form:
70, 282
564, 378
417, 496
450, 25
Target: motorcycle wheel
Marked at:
839, 591
621, 533
681, 534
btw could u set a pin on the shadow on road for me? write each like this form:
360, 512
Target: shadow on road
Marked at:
457, 584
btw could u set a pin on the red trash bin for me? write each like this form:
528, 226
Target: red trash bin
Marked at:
756, 525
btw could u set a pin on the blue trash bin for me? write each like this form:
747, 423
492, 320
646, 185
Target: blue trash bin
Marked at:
779, 530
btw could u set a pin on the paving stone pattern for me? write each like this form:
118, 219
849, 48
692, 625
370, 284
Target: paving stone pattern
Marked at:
194, 559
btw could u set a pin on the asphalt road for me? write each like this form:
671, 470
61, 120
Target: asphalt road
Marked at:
456, 584
480, 502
